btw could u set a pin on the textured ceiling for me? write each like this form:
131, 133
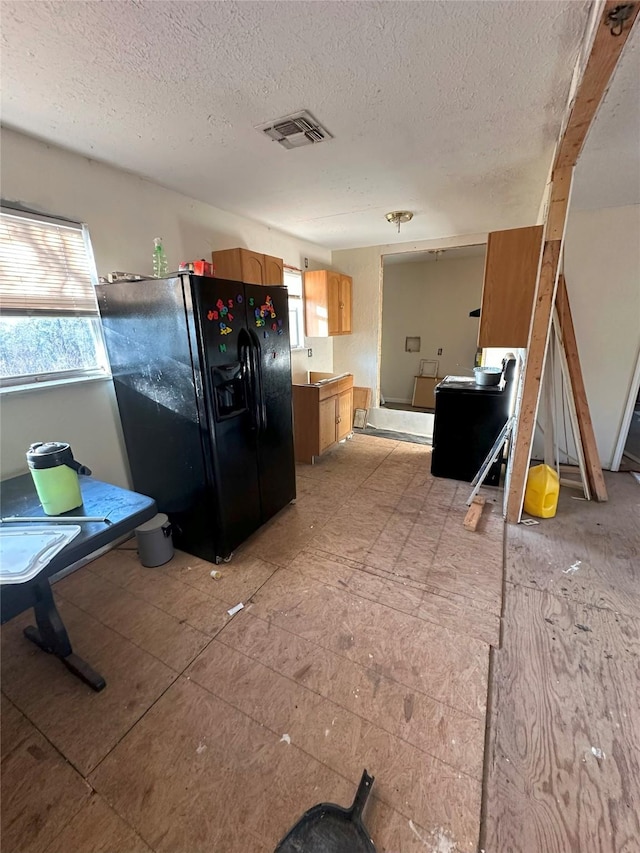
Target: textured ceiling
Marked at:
449, 109
608, 171
456, 254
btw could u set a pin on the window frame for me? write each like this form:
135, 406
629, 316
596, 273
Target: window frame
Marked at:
52, 378
298, 301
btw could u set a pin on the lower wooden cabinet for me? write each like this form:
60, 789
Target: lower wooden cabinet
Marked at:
322, 416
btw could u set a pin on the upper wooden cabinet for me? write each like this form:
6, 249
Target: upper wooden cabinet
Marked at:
249, 267
273, 270
510, 276
328, 303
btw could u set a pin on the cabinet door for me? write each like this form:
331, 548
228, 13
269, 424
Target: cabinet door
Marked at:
327, 422
315, 304
510, 277
333, 302
273, 270
345, 304
227, 264
345, 414
252, 267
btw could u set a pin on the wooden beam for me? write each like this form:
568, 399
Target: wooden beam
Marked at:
548, 385
571, 404
533, 371
559, 203
604, 56
592, 86
592, 459
474, 512
571, 484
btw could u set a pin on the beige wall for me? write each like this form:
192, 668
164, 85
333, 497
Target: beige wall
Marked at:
432, 300
360, 352
124, 213
602, 270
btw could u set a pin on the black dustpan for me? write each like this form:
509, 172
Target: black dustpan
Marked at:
327, 828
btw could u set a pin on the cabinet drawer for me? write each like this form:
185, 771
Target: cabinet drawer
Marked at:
333, 388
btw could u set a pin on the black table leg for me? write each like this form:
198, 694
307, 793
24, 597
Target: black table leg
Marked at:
51, 636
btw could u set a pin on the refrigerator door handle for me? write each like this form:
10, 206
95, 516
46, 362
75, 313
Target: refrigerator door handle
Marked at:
245, 351
257, 371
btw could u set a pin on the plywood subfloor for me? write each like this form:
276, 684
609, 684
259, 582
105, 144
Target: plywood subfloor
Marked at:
364, 642
563, 770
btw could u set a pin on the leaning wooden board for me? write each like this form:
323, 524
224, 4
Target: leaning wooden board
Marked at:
424, 387
361, 398
474, 513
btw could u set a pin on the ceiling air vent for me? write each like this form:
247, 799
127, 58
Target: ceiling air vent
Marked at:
295, 130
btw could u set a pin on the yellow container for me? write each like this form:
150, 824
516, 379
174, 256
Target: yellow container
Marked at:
543, 489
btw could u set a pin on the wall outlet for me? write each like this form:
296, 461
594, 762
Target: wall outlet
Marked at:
440, 351
310, 352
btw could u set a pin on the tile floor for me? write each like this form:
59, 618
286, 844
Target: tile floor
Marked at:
364, 642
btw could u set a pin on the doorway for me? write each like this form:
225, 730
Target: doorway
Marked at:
631, 452
626, 456
430, 317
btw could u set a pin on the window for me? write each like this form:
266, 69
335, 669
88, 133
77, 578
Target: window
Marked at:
293, 281
49, 322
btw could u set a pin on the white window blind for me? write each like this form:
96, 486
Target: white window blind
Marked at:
46, 266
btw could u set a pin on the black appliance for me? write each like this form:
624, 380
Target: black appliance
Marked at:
468, 420
202, 374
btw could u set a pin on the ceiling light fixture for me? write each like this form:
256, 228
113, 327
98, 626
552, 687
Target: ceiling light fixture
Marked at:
397, 217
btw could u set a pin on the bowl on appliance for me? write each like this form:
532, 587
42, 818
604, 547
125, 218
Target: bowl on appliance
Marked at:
487, 375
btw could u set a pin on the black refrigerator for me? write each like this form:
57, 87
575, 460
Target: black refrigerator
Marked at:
202, 374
